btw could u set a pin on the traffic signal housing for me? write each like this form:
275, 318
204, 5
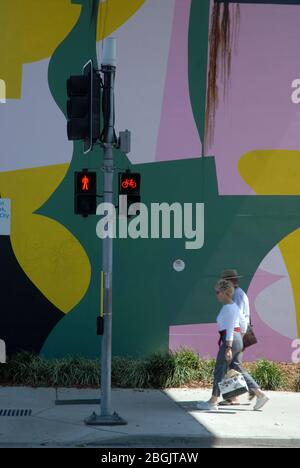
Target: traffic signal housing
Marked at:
83, 107
85, 193
130, 185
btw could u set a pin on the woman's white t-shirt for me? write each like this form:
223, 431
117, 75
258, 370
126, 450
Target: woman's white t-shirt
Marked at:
229, 318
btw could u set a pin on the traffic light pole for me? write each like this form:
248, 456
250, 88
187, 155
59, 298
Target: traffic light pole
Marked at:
108, 69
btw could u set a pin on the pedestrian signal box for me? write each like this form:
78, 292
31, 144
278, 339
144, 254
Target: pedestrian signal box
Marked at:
85, 202
130, 185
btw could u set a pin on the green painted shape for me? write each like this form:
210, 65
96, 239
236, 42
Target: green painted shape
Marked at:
148, 295
240, 231
198, 60
72, 54
68, 59
75, 334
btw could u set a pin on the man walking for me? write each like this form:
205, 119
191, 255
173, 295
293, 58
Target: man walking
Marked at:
239, 296
242, 301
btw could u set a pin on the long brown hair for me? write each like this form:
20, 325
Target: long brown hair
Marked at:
224, 28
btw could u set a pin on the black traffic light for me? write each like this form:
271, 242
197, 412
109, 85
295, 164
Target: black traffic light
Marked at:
85, 193
83, 107
130, 185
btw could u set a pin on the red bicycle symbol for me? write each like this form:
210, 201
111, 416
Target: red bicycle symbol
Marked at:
129, 183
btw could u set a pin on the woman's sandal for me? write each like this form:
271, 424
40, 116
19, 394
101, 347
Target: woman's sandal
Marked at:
228, 403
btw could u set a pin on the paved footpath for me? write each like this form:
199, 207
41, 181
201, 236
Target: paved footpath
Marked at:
155, 419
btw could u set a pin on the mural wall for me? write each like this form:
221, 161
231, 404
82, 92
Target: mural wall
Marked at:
247, 179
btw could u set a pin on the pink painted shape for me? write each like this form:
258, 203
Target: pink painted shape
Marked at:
178, 136
259, 113
271, 344
203, 338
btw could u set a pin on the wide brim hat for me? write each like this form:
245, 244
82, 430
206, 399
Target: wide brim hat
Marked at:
230, 274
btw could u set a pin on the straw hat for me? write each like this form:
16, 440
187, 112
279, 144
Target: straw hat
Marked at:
230, 274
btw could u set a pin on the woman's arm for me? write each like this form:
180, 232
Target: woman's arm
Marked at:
228, 351
230, 322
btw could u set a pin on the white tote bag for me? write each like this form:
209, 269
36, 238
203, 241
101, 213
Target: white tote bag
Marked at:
233, 385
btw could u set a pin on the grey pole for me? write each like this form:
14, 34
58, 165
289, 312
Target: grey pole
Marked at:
108, 69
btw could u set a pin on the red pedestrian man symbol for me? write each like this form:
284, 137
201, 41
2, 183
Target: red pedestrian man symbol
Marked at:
85, 183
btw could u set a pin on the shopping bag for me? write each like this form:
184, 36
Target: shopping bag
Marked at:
233, 385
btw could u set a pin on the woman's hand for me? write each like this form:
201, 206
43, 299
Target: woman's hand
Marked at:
228, 354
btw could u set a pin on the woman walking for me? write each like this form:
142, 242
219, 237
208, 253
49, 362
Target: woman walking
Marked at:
232, 327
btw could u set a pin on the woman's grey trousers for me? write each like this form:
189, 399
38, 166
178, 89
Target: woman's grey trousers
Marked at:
222, 366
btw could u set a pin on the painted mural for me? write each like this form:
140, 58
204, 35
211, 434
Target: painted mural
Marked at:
246, 176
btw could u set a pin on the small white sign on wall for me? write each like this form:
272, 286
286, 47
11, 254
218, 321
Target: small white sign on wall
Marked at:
4, 217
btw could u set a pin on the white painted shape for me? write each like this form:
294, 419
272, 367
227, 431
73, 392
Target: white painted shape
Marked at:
2, 92
273, 263
276, 308
33, 130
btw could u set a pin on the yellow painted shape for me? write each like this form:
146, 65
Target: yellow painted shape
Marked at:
31, 30
48, 253
271, 172
290, 250
114, 13
277, 172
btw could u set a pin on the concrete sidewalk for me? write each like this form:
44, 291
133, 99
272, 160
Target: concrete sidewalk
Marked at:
155, 419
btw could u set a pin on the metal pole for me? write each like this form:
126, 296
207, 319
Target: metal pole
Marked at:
108, 69
107, 261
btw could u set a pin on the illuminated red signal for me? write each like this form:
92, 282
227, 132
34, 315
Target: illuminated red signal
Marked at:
85, 182
85, 192
129, 183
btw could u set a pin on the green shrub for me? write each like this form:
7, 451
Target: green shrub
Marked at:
27, 369
206, 371
137, 376
120, 367
35, 371
187, 366
72, 371
129, 373
268, 375
160, 368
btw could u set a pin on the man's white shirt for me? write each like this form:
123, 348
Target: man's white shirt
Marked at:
242, 301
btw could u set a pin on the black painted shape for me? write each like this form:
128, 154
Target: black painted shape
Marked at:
26, 316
